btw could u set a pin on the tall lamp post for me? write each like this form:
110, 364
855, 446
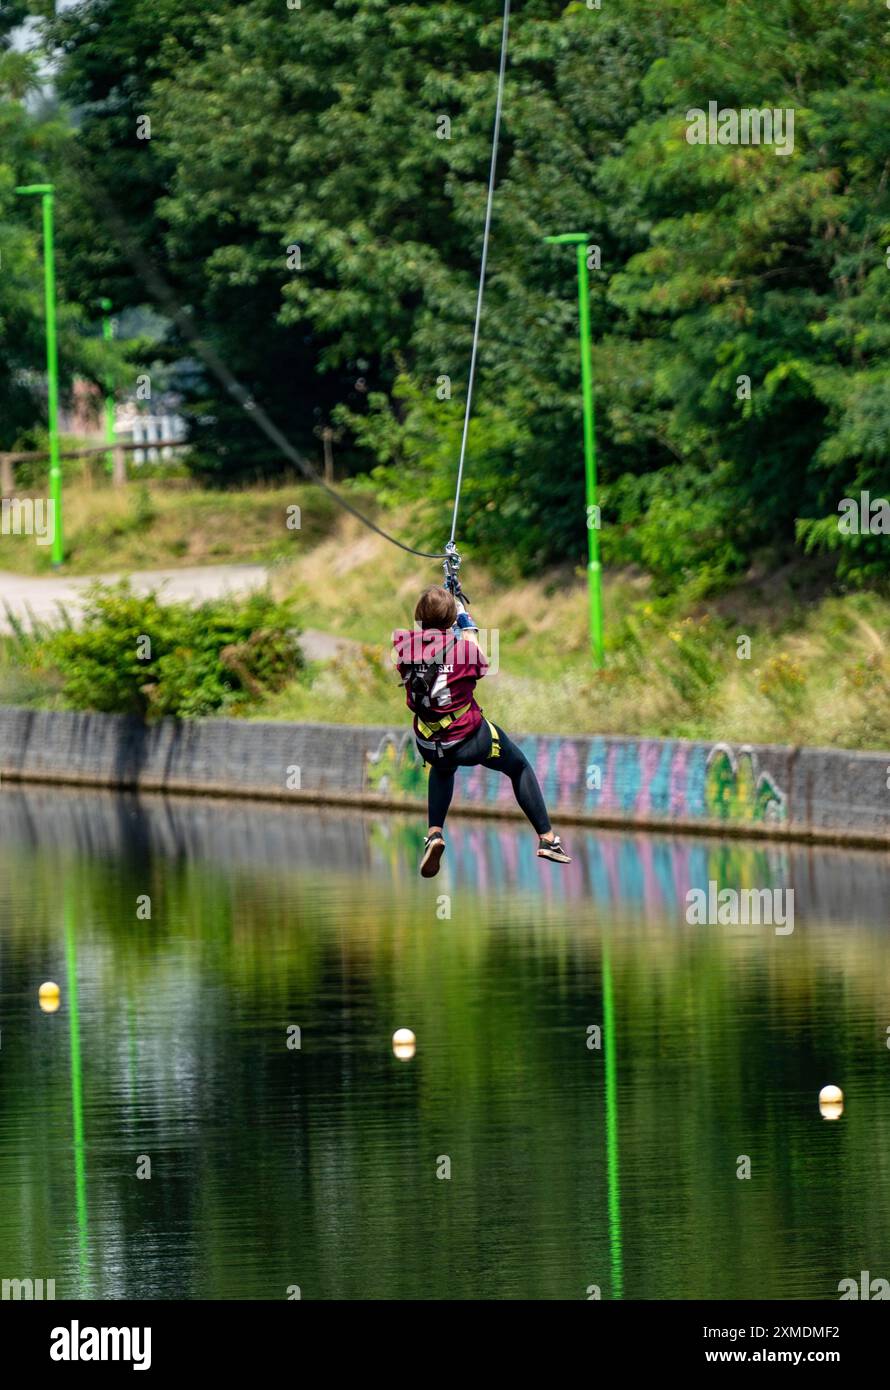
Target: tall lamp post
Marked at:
594, 568
46, 192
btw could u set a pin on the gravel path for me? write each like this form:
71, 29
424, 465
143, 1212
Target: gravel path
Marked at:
42, 597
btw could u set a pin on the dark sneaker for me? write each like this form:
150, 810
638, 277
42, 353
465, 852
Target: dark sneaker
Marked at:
433, 849
552, 849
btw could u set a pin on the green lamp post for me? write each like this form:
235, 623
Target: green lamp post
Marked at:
594, 568
46, 193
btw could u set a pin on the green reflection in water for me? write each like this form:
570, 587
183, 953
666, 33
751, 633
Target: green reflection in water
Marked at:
80, 1167
612, 1176
317, 1167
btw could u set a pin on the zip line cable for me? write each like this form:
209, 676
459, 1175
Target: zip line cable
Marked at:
163, 294
482, 269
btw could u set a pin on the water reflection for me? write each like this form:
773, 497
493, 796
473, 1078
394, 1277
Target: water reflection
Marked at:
571, 1166
647, 874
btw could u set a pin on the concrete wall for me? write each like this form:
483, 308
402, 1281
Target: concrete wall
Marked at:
762, 790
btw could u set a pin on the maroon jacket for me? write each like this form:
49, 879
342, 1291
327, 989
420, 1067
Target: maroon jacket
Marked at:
464, 665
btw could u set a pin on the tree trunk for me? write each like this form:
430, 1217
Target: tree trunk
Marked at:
327, 436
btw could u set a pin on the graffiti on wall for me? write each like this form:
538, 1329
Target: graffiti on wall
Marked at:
737, 789
395, 769
657, 779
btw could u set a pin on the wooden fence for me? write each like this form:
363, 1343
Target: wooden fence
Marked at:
118, 451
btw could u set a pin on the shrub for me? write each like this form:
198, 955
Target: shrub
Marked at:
134, 654
783, 683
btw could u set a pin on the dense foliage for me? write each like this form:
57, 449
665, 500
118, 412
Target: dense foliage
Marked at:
137, 655
740, 310
30, 145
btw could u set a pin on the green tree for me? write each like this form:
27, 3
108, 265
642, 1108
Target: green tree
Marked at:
31, 146
297, 196
763, 267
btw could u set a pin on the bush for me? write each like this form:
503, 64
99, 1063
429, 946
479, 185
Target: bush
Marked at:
135, 655
680, 528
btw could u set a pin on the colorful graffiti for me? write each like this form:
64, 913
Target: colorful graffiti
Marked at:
396, 770
624, 779
736, 789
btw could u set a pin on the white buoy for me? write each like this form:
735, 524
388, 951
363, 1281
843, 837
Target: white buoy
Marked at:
404, 1044
49, 996
831, 1095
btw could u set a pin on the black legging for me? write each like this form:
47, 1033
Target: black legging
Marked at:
477, 749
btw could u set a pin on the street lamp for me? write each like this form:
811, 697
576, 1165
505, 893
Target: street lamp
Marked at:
594, 568
46, 193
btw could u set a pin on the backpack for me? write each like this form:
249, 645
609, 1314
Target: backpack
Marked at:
421, 678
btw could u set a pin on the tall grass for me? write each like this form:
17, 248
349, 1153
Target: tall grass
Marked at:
167, 523
818, 671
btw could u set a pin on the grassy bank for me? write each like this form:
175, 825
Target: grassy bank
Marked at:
778, 659
815, 667
164, 523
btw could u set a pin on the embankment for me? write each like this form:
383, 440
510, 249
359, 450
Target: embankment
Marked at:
752, 790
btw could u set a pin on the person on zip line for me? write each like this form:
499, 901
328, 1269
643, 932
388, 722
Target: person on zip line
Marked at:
439, 664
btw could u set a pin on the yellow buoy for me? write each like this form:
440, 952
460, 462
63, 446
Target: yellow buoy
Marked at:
831, 1095
404, 1044
49, 996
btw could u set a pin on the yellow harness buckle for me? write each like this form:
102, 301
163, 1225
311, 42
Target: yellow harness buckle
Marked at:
438, 725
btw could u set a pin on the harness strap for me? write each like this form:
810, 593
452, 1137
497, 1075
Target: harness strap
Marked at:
439, 725
495, 741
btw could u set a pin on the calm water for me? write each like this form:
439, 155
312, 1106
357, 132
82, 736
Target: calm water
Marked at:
570, 1166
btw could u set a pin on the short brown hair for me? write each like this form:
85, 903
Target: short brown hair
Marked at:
436, 608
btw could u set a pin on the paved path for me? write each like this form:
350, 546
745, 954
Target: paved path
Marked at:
43, 596
24, 595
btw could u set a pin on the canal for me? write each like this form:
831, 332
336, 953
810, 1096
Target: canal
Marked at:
604, 1098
